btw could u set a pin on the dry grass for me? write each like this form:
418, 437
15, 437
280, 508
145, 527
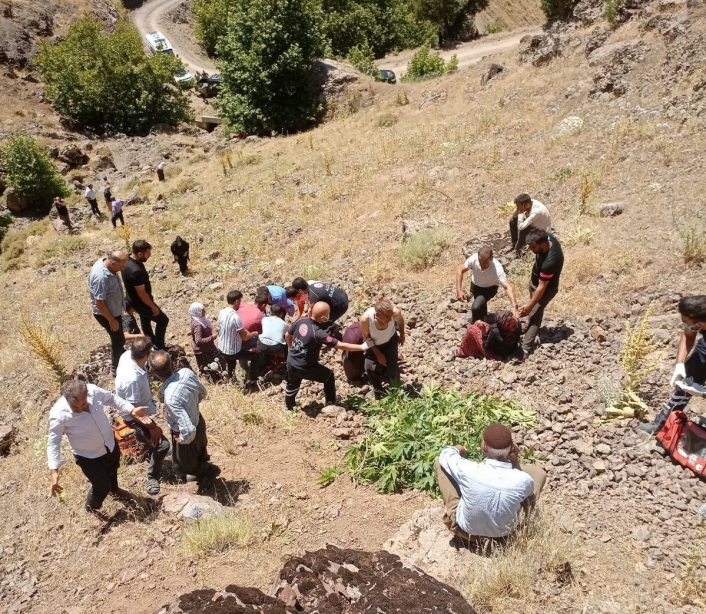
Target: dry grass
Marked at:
216, 533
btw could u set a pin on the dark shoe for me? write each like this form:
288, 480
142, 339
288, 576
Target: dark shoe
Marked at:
649, 428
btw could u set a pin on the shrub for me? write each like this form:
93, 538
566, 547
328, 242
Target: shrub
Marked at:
695, 246
387, 119
558, 10
453, 20
407, 434
421, 249
266, 58
117, 87
5, 223
46, 347
29, 170
363, 58
493, 27
212, 22
216, 533
65, 246
610, 12
426, 65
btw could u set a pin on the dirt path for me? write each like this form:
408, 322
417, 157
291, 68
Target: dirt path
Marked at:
151, 16
468, 53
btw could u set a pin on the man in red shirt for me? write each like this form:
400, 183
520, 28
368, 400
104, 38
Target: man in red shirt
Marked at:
251, 316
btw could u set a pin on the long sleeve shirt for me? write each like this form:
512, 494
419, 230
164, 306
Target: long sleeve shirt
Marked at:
492, 493
182, 393
538, 217
89, 433
201, 338
132, 384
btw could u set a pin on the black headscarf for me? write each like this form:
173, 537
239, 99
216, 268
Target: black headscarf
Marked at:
180, 250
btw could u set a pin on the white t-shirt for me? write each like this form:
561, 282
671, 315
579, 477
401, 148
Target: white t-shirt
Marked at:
538, 217
380, 336
494, 275
90, 194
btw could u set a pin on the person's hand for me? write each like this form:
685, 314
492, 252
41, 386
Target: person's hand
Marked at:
380, 357
214, 336
139, 412
461, 295
524, 311
461, 450
114, 324
155, 310
155, 434
516, 313
679, 374
55, 490
402, 338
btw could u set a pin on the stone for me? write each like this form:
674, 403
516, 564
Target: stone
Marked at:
7, 438
599, 466
190, 507
331, 411
217, 285
343, 433
603, 449
582, 447
494, 70
73, 156
611, 209
597, 39
589, 11
539, 49
641, 533
13, 202
598, 334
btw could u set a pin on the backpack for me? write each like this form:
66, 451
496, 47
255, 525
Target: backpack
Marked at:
507, 339
685, 441
127, 442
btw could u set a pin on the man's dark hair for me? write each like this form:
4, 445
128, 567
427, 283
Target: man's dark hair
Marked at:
277, 311
73, 389
234, 295
116, 256
300, 284
141, 348
693, 307
536, 236
262, 290
262, 298
523, 199
485, 252
140, 246
290, 291
161, 363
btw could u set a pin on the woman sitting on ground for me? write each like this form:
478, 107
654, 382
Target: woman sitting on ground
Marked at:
495, 338
203, 340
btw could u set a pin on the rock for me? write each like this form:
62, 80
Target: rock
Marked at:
597, 39
603, 449
7, 438
599, 466
589, 11
73, 156
343, 433
582, 447
190, 507
491, 72
216, 285
641, 533
598, 334
569, 125
539, 49
252, 139
13, 202
619, 51
329, 79
331, 411
611, 209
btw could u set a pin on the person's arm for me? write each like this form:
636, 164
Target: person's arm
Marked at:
399, 318
536, 296
686, 344
353, 347
56, 432
187, 430
460, 272
200, 341
246, 335
142, 293
529, 218
105, 312
290, 308
511, 295
451, 459
365, 330
288, 338
124, 408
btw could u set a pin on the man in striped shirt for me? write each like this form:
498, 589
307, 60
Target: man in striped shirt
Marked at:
232, 334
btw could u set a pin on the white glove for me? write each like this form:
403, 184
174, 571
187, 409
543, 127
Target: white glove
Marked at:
367, 344
679, 373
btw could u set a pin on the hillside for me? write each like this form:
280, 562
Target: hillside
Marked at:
581, 116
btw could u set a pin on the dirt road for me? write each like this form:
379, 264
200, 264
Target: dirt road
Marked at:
468, 53
151, 16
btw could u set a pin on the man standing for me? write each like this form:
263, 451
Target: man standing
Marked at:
182, 392
284, 297
79, 414
160, 170
544, 282
690, 371
529, 213
139, 291
90, 197
108, 196
383, 324
319, 291
108, 301
63, 212
305, 338
485, 499
133, 385
232, 334
487, 274
116, 207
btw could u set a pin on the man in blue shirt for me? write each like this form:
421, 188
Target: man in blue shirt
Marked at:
284, 297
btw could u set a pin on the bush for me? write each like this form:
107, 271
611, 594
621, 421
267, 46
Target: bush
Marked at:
421, 249
453, 20
695, 246
558, 10
212, 22
5, 223
216, 533
29, 170
407, 434
610, 12
266, 59
493, 27
14, 243
363, 58
426, 65
106, 82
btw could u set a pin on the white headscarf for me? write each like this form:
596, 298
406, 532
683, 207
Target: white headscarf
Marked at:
195, 312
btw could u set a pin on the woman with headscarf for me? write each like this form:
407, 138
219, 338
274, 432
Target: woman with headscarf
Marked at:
180, 250
203, 340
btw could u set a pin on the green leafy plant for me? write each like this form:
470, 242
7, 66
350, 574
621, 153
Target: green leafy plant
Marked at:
328, 476
558, 10
5, 223
427, 65
108, 83
29, 170
611, 8
211, 18
252, 417
422, 249
453, 20
407, 434
363, 58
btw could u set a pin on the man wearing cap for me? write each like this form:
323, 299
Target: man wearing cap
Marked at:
484, 499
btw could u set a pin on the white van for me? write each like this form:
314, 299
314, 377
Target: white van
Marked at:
158, 43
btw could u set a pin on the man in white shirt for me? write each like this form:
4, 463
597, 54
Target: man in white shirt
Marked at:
231, 334
133, 385
79, 415
487, 274
529, 213
90, 197
485, 499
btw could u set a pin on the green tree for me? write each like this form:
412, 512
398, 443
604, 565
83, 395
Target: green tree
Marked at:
29, 170
265, 61
453, 18
106, 82
212, 21
559, 10
426, 65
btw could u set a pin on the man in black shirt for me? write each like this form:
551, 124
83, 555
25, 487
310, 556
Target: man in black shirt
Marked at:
63, 212
544, 283
320, 291
139, 291
304, 339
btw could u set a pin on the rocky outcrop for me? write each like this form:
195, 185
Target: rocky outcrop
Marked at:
597, 39
329, 78
72, 155
21, 25
490, 73
13, 202
539, 49
589, 11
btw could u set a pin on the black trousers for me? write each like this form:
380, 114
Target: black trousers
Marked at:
117, 216
272, 350
94, 206
249, 360
517, 236
376, 372
157, 452
102, 473
192, 458
536, 316
481, 296
183, 264
317, 373
117, 338
161, 320
160, 174
695, 367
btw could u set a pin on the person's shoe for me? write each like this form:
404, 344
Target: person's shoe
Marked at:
152, 486
649, 428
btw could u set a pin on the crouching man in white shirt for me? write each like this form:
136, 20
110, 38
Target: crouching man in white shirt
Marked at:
485, 499
79, 414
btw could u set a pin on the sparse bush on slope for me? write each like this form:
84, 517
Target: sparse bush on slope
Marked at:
559, 10
426, 65
452, 18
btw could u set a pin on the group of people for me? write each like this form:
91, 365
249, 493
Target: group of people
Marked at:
114, 205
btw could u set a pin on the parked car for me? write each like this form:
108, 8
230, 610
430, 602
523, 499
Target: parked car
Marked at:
183, 76
386, 76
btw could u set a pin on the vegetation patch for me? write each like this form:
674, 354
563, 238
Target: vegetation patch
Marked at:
407, 434
427, 65
422, 249
216, 533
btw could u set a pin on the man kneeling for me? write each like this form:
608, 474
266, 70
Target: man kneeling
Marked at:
485, 499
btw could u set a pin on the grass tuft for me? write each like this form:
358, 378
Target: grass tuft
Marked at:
421, 250
216, 533
695, 246
46, 346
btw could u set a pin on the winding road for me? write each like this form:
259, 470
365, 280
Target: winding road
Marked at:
151, 16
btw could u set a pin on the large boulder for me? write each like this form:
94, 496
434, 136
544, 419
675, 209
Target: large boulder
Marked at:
589, 11
539, 49
21, 26
491, 72
13, 202
329, 78
72, 155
